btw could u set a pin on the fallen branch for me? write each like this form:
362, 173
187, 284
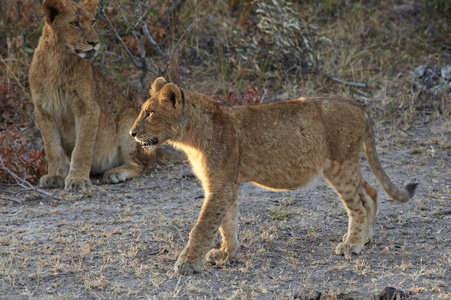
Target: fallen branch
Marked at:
360, 85
24, 183
11, 199
317, 71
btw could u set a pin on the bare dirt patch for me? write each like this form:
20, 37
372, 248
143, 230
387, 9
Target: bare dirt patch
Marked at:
121, 241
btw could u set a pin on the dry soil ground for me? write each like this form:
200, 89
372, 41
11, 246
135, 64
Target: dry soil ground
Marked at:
121, 241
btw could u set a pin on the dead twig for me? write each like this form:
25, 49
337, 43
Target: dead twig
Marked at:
317, 71
22, 182
360, 85
141, 64
139, 31
11, 199
142, 22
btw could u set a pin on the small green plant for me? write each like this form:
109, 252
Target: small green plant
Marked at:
417, 150
277, 213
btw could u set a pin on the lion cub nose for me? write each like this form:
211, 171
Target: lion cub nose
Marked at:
133, 133
93, 44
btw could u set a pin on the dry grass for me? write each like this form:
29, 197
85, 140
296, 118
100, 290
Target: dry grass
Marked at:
121, 241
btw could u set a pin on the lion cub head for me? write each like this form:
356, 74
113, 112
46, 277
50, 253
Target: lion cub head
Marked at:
71, 25
161, 115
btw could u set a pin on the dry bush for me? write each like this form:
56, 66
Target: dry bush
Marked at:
18, 151
27, 163
251, 97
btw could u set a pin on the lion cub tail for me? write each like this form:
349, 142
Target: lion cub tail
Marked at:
396, 194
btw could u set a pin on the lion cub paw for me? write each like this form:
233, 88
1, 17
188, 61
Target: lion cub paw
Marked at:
217, 257
346, 248
76, 184
116, 175
183, 266
187, 266
51, 181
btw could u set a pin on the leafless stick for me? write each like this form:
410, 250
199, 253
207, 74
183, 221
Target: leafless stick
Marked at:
24, 183
137, 63
11, 199
321, 73
145, 13
360, 85
150, 39
142, 22
142, 51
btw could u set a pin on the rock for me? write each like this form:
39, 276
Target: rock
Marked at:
433, 79
390, 293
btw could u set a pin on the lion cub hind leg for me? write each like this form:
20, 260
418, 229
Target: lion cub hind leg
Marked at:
229, 232
123, 173
370, 204
369, 199
345, 179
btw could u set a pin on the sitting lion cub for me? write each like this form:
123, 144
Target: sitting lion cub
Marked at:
83, 119
280, 146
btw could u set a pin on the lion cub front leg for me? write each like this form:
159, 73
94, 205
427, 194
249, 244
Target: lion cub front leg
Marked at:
81, 159
229, 232
214, 209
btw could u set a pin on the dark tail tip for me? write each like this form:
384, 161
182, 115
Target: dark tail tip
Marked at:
410, 188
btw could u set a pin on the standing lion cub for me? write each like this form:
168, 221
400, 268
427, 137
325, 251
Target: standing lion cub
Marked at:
280, 146
83, 119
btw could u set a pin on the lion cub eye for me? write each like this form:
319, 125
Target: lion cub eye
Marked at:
148, 114
75, 24
93, 22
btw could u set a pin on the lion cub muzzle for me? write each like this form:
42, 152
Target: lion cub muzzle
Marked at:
90, 53
145, 141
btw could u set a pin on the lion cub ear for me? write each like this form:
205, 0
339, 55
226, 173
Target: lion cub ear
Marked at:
51, 9
157, 85
172, 94
91, 5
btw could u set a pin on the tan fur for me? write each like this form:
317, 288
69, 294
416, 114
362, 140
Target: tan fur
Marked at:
279, 146
83, 119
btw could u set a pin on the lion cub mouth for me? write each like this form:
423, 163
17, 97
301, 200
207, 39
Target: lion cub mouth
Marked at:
150, 142
86, 54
